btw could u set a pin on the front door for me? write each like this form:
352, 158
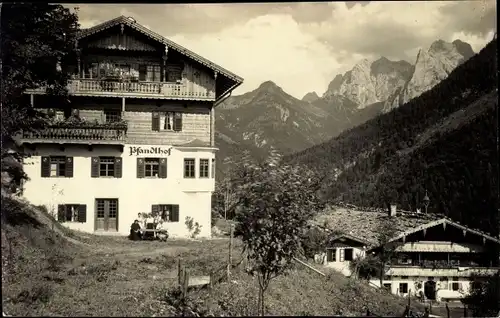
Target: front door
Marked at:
106, 218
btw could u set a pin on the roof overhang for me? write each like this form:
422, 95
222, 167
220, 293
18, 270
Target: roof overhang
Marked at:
443, 222
226, 81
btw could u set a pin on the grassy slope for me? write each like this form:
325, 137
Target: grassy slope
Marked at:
112, 276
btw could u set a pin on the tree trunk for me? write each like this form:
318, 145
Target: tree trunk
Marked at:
262, 302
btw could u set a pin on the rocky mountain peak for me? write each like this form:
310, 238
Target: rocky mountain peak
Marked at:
431, 67
269, 86
310, 97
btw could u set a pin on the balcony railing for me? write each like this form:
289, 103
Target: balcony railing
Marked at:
97, 87
83, 133
451, 271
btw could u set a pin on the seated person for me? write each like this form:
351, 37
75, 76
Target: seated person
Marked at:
135, 231
163, 235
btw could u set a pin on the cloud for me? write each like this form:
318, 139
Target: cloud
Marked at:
271, 47
302, 46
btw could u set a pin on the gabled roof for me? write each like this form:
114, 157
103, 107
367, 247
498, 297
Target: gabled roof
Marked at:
130, 22
349, 237
447, 222
364, 225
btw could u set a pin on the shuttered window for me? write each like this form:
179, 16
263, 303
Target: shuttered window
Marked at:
57, 166
168, 212
166, 121
106, 167
72, 213
152, 168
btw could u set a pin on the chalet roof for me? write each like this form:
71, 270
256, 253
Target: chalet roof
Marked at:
340, 237
364, 224
237, 80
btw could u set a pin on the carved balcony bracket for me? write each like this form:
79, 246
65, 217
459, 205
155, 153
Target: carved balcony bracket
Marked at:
425, 232
122, 27
484, 240
215, 74
404, 239
464, 232
444, 225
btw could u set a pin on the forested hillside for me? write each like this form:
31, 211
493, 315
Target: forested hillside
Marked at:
443, 141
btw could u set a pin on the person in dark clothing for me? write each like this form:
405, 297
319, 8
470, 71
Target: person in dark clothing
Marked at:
135, 231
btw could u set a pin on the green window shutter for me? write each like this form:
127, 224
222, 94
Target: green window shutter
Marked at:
45, 167
141, 170
163, 168
94, 168
69, 167
118, 167
82, 213
177, 121
175, 213
155, 121
61, 213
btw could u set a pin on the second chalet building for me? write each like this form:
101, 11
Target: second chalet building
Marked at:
432, 256
136, 136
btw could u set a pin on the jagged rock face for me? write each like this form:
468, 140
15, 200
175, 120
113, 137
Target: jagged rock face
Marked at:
368, 83
310, 97
431, 67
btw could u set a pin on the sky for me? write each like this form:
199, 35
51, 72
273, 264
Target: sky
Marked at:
301, 46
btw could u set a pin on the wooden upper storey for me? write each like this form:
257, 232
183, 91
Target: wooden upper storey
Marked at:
121, 58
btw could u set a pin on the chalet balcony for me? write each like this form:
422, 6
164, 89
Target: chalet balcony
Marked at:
79, 133
112, 87
399, 270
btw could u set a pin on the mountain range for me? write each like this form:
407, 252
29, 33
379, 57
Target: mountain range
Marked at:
442, 142
269, 118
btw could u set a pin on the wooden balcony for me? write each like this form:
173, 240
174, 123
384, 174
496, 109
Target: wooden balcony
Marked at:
92, 134
395, 270
135, 89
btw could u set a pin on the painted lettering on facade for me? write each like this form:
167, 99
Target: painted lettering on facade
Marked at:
137, 150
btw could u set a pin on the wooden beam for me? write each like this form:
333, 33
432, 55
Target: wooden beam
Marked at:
32, 100
123, 107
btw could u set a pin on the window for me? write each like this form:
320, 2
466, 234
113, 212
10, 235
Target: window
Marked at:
111, 116
106, 167
348, 254
72, 213
152, 167
166, 121
403, 288
189, 168
455, 286
204, 168
331, 255
213, 169
388, 286
404, 277
153, 73
168, 212
57, 166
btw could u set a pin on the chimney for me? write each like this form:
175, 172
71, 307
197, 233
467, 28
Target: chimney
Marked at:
392, 210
